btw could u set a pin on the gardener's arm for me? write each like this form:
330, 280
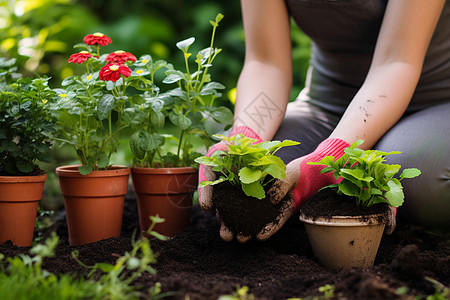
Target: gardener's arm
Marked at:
402, 43
266, 79
406, 31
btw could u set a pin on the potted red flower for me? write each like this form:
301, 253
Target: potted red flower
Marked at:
90, 109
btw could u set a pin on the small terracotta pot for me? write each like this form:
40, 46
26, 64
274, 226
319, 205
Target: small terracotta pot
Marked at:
19, 198
167, 192
343, 242
93, 202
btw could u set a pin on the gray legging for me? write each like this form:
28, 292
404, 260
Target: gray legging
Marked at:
423, 137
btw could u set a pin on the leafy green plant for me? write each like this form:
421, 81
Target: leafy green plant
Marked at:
90, 107
104, 281
119, 92
247, 164
189, 106
366, 177
26, 125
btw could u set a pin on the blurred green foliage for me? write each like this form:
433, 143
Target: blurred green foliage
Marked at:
40, 33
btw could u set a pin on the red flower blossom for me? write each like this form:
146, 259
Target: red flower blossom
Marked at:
80, 57
120, 57
97, 38
112, 72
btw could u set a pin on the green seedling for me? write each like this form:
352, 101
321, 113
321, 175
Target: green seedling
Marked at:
247, 164
366, 177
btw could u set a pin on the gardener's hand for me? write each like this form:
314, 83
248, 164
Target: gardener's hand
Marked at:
303, 180
391, 222
206, 173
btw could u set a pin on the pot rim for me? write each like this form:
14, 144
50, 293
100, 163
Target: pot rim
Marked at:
72, 171
174, 170
22, 179
373, 219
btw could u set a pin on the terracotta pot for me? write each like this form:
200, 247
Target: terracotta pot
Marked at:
167, 192
93, 202
343, 242
19, 198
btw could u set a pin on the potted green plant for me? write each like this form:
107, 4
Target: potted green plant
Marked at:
26, 126
90, 109
244, 172
164, 172
345, 221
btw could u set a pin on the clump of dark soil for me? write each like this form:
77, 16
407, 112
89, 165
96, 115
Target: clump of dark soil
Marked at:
243, 214
199, 265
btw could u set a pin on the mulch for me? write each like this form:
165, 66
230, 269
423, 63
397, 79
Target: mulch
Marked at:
197, 264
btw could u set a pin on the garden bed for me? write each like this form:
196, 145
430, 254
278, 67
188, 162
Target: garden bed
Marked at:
198, 264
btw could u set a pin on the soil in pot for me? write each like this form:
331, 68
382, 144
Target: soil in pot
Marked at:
241, 213
327, 203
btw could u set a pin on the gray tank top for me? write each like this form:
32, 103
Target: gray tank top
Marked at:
343, 35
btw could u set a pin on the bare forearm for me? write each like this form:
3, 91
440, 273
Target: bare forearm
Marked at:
262, 94
379, 104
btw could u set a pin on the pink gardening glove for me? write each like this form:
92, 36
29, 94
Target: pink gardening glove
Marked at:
304, 180
205, 173
311, 180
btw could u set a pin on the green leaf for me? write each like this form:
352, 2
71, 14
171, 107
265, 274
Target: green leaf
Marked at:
206, 160
395, 194
184, 44
254, 189
85, 170
222, 115
24, 166
391, 170
105, 106
276, 171
172, 78
103, 161
326, 161
158, 236
349, 188
284, 143
67, 81
157, 119
247, 175
138, 143
327, 169
410, 173
104, 267
354, 152
355, 174
208, 182
180, 121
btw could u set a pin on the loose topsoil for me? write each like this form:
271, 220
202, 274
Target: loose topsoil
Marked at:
197, 264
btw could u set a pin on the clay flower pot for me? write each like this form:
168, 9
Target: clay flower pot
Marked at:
167, 192
343, 242
93, 202
19, 198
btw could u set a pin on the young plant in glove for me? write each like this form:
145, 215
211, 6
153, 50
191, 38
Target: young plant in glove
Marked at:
365, 176
244, 170
247, 164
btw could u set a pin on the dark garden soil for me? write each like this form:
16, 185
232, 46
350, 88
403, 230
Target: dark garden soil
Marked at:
243, 214
198, 264
327, 203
